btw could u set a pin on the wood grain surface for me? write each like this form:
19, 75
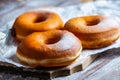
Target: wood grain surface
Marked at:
105, 67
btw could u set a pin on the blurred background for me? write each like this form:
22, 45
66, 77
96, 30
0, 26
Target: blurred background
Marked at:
11, 8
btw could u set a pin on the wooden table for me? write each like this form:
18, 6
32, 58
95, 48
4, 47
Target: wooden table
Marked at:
105, 67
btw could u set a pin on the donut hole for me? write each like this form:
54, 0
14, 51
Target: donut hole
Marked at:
40, 19
53, 40
92, 22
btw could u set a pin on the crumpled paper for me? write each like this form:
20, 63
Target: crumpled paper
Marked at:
8, 46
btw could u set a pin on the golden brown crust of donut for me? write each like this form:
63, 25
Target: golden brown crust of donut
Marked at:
94, 31
49, 48
36, 63
36, 21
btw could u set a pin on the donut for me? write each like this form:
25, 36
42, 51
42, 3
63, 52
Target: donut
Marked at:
35, 21
95, 31
49, 49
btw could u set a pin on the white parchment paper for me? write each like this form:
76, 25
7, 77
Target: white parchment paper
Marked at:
8, 46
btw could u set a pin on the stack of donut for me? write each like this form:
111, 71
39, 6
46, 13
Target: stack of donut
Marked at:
45, 41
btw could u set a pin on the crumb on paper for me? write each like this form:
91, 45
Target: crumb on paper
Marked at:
2, 35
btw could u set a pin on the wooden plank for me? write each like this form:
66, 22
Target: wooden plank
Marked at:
49, 73
41, 73
105, 64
